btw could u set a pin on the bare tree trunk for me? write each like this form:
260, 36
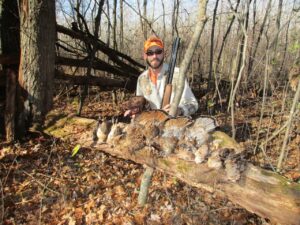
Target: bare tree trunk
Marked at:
10, 103
253, 38
10, 45
145, 30
289, 124
145, 184
212, 47
36, 71
278, 20
268, 10
108, 24
244, 42
242, 53
115, 25
188, 56
175, 18
121, 26
226, 35
164, 19
91, 49
98, 19
287, 37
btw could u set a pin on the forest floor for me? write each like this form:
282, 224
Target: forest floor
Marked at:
42, 183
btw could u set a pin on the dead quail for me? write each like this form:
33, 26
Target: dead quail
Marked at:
103, 129
201, 153
115, 132
200, 128
166, 145
188, 145
214, 161
182, 153
175, 127
232, 170
150, 131
134, 138
157, 117
136, 102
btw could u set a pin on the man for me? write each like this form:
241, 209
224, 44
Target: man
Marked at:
151, 82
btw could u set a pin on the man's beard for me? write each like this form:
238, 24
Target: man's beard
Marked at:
156, 67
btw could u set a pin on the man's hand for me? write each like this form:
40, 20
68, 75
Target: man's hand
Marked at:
131, 112
167, 108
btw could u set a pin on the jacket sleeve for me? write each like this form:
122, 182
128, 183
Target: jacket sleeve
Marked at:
188, 103
139, 91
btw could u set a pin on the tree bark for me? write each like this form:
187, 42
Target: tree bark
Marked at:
144, 28
115, 25
189, 55
121, 26
11, 84
36, 70
9, 59
175, 13
212, 47
263, 192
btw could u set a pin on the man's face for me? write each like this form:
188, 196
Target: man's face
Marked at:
154, 57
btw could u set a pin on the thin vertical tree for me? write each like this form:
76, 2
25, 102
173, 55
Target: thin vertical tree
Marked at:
212, 37
175, 14
108, 23
121, 26
144, 21
261, 30
115, 24
164, 19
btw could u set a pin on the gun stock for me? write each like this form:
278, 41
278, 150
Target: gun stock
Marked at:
167, 95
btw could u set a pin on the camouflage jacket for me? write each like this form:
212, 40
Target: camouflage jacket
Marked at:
154, 93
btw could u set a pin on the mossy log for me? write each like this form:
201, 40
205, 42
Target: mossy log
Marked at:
263, 192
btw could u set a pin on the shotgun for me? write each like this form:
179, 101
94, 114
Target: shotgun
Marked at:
170, 72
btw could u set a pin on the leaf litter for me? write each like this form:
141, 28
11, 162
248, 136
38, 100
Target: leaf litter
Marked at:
41, 183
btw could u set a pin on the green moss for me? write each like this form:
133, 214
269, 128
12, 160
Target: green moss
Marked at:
224, 140
165, 162
283, 183
182, 166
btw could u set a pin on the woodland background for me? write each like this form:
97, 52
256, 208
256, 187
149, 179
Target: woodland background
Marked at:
84, 56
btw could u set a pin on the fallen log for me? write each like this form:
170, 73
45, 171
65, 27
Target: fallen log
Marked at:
263, 192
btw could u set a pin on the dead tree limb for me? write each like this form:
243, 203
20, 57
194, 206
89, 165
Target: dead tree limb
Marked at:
97, 64
114, 55
94, 81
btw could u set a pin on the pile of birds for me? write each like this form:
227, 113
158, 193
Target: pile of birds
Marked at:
192, 140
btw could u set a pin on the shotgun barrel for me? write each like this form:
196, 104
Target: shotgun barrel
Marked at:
170, 72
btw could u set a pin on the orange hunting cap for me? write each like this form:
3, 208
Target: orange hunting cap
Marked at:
153, 41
